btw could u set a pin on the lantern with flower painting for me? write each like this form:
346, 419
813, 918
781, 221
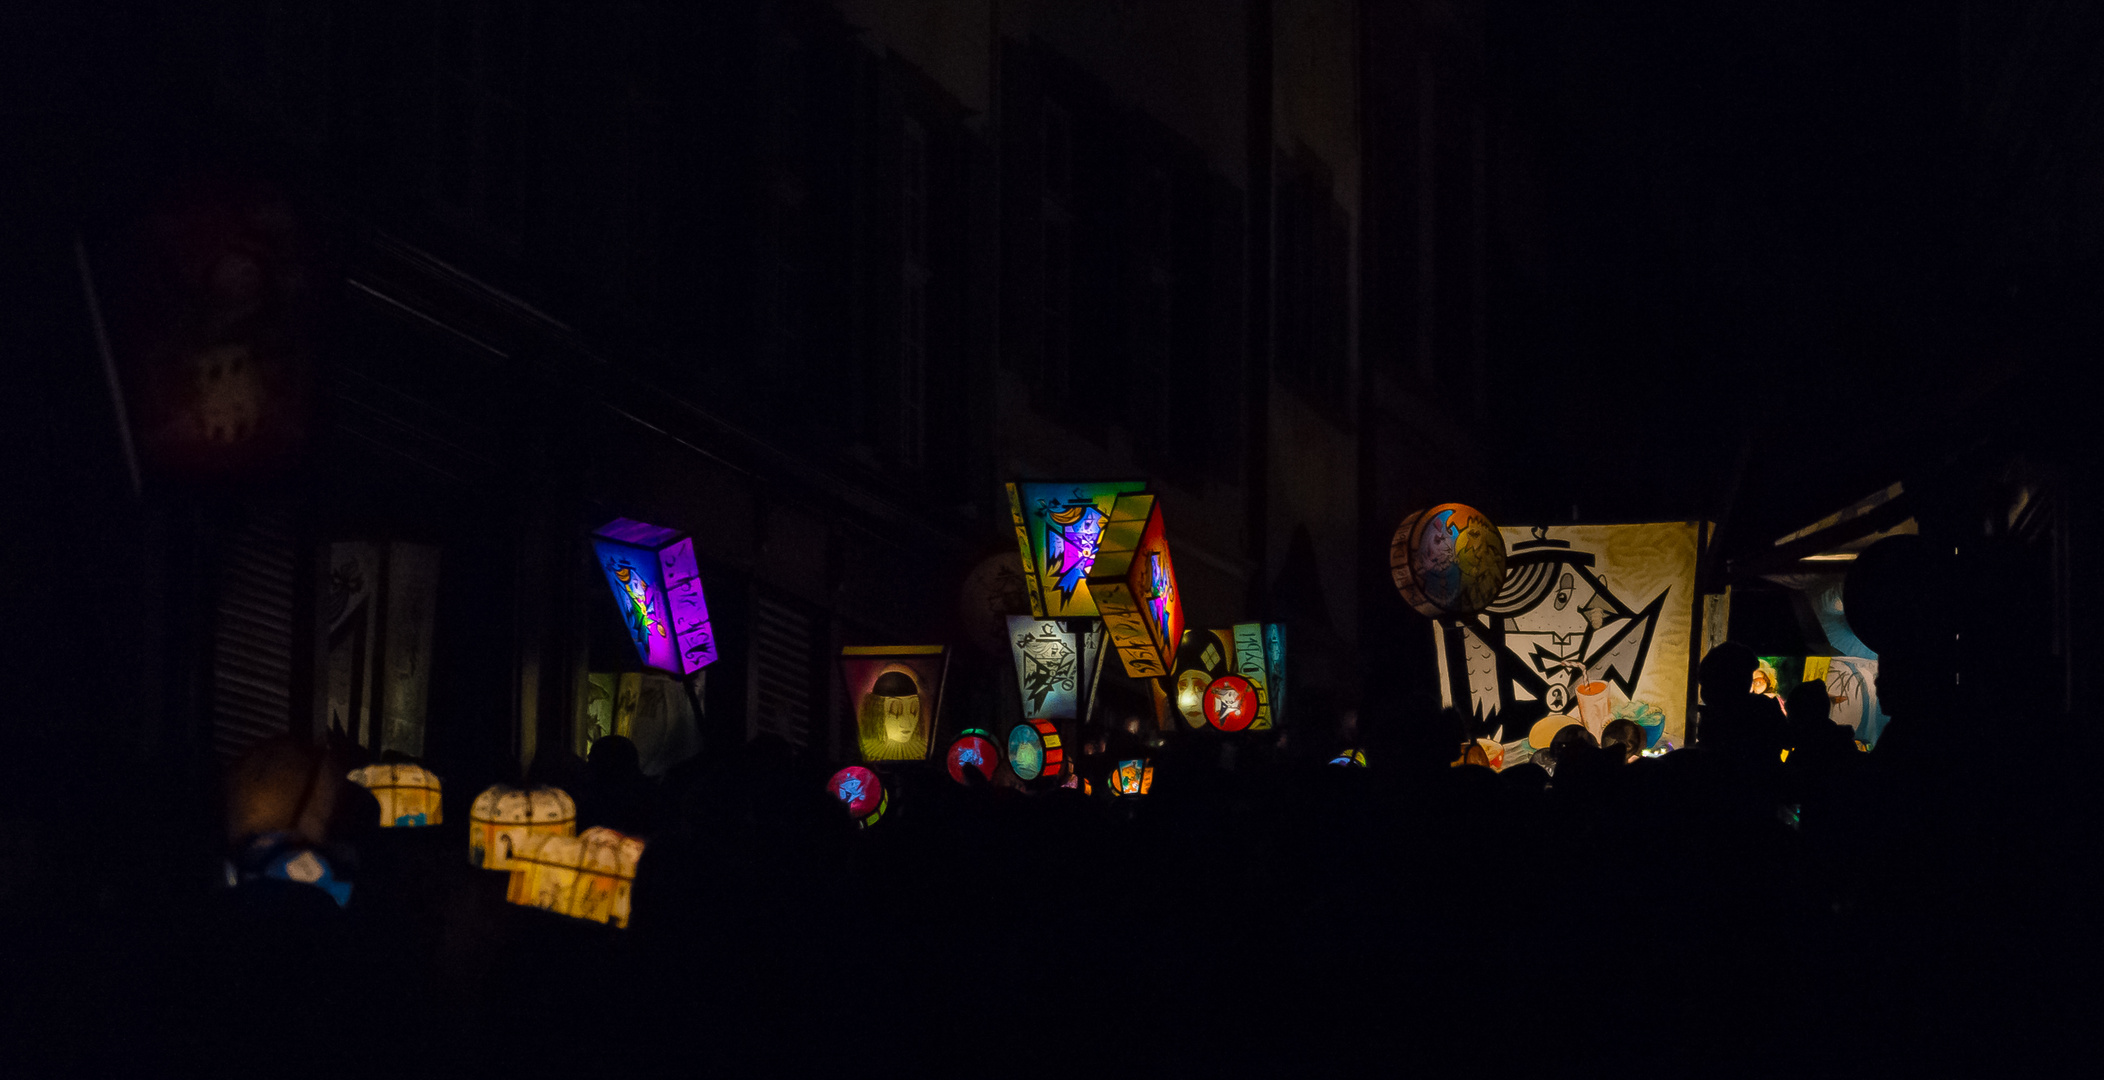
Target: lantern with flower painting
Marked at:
409, 795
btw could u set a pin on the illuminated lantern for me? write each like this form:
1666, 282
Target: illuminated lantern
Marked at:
504, 817
1353, 757
1057, 662
585, 877
862, 793
409, 795
1203, 656
1134, 776
1134, 585
658, 589
1058, 529
896, 694
974, 749
1493, 753
1544, 730
1034, 750
1448, 560
1230, 703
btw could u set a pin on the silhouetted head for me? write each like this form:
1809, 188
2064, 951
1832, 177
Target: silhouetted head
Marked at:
1809, 705
1726, 673
1625, 734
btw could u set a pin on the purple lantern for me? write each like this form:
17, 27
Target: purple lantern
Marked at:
658, 589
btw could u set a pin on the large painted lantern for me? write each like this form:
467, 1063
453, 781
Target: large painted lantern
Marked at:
1256, 652
1592, 622
1448, 560
895, 692
657, 586
1230, 703
503, 817
1035, 749
585, 877
1059, 530
862, 793
409, 795
1133, 582
1133, 776
1057, 663
973, 750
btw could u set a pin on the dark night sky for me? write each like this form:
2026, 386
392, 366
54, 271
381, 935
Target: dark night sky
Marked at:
1726, 217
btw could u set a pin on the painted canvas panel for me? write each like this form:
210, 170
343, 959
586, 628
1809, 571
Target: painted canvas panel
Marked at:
1589, 619
894, 693
1054, 664
1059, 528
1134, 584
657, 586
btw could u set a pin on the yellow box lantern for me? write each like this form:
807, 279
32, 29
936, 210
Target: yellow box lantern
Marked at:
585, 877
409, 795
503, 817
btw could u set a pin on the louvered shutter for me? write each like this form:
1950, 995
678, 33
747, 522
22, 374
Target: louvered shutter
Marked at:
252, 634
782, 662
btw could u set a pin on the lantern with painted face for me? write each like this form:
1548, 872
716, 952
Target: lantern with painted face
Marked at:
896, 692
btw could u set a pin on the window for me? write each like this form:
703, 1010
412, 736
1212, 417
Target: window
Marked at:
783, 655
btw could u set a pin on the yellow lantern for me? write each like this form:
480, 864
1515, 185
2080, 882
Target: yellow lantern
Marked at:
585, 877
409, 794
504, 816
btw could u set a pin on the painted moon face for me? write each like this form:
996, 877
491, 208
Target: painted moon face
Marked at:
1230, 703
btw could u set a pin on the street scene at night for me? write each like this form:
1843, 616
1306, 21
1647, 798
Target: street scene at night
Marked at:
1049, 537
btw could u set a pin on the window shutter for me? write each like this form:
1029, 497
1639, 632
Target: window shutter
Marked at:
252, 634
782, 663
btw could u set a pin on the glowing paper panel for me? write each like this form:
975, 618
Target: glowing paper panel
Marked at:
584, 877
1588, 619
1035, 749
658, 588
409, 795
974, 750
1133, 776
1056, 664
1134, 585
895, 694
1057, 529
504, 817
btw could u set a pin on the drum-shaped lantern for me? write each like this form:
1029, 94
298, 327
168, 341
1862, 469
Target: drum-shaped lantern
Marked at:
1448, 560
974, 750
862, 793
1034, 749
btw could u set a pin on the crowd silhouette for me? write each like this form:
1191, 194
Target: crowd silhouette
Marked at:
1725, 909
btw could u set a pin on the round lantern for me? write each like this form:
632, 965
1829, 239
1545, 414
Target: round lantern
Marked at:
409, 795
975, 750
1134, 776
1230, 703
1354, 757
503, 817
862, 793
1544, 730
1034, 750
584, 877
1448, 560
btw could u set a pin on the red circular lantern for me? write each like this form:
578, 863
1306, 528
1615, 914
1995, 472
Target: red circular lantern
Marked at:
1230, 703
973, 750
861, 792
1448, 560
